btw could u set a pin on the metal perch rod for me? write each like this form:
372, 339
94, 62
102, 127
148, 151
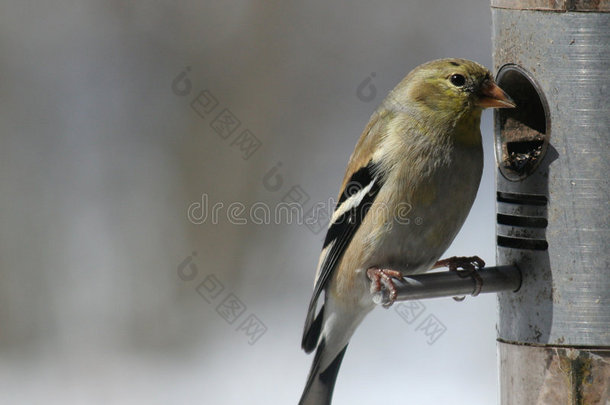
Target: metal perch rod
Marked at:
451, 284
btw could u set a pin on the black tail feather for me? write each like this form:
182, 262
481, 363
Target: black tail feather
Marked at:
312, 332
321, 383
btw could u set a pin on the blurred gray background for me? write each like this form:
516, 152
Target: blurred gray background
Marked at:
102, 153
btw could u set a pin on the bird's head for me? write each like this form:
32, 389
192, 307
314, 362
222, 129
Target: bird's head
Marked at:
449, 88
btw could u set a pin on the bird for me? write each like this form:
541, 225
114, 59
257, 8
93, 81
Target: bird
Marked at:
420, 156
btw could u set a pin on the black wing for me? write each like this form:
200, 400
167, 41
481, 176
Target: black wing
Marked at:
354, 203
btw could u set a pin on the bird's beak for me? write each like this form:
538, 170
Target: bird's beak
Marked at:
492, 96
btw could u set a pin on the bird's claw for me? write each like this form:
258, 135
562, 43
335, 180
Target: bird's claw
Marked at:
469, 266
384, 276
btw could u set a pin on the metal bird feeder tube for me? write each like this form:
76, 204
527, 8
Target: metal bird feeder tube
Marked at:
553, 59
451, 284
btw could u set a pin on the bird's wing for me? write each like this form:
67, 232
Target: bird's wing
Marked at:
361, 184
354, 203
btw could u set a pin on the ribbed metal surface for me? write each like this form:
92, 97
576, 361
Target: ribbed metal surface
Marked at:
554, 223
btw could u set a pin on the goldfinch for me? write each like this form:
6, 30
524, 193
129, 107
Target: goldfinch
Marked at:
421, 155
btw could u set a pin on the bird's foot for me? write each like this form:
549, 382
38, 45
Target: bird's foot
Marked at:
384, 276
469, 266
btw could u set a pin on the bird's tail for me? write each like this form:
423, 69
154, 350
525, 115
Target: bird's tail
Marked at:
321, 382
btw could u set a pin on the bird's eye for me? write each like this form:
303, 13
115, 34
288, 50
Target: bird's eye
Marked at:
457, 80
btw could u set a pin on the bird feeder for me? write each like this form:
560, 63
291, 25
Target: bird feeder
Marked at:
553, 59
552, 211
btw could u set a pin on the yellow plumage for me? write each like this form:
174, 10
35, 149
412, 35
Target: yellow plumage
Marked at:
421, 152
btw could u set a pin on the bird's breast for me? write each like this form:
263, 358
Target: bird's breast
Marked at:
428, 213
